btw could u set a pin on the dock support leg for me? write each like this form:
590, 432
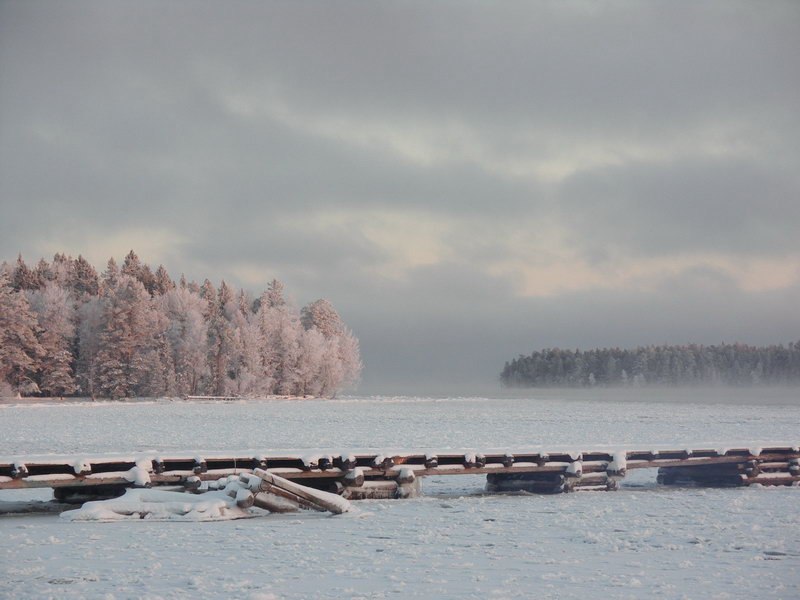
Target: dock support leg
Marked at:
537, 483
722, 475
88, 493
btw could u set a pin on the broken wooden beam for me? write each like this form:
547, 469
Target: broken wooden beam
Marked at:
324, 500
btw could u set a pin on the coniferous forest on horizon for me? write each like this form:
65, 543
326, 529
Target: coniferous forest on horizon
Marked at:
664, 365
66, 330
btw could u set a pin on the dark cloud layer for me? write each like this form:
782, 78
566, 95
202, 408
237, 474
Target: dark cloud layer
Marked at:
465, 181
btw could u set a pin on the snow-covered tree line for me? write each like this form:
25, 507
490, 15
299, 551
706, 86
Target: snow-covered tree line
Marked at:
724, 364
66, 330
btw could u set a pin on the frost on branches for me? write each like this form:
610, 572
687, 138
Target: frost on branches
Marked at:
132, 331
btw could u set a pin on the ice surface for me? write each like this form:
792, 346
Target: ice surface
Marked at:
454, 542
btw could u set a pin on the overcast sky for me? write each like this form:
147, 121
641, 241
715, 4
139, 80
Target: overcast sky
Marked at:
465, 181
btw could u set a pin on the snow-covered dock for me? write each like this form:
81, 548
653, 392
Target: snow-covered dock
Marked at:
396, 474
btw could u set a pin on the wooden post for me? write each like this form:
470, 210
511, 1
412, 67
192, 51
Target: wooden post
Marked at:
408, 486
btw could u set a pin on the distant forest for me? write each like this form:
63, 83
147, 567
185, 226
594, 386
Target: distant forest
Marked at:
66, 330
724, 364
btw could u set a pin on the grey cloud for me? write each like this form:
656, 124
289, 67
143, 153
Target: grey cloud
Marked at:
113, 116
731, 206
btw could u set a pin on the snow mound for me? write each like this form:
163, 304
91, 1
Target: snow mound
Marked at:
159, 505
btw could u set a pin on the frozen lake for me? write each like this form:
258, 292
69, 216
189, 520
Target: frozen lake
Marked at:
455, 542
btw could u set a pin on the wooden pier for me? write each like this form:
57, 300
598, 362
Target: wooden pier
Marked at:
397, 475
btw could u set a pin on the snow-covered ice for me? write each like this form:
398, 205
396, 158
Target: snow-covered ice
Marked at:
453, 542
159, 505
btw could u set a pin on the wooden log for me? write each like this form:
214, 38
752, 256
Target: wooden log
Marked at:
405, 475
244, 497
697, 461
200, 466
474, 461
326, 501
334, 487
574, 470
82, 467
381, 489
19, 470
354, 478
431, 461
752, 468
346, 462
192, 484
409, 489
299, 500
274, 503
772, 479
383, 463
618, 465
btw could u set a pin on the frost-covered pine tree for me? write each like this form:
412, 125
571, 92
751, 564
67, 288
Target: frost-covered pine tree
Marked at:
83, 281
249, 377
24, 278
312, 378
221, 336
131, 265
187, 332
159, 373
321, 316
91, 314
124, 339
61, 269
56, 315
20, 350
282, 332
341, 362
162, 282
111, 274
